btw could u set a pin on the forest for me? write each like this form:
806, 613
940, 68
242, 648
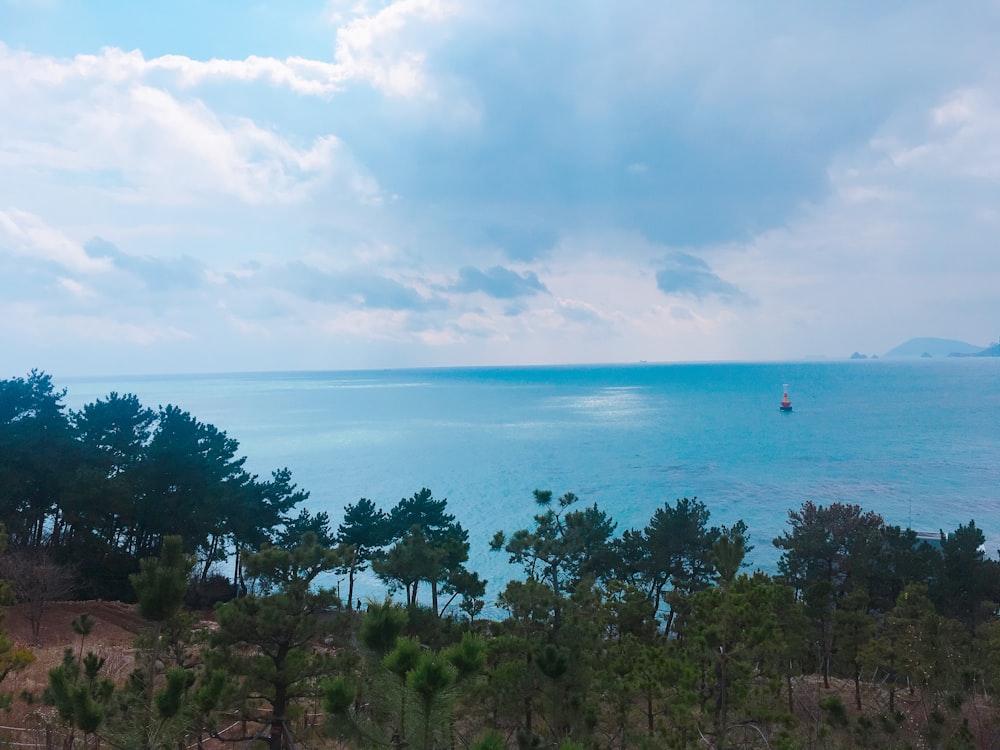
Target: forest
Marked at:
866, 635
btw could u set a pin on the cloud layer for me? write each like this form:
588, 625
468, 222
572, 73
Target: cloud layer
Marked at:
428, 182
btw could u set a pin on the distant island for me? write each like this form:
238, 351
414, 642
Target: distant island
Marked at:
990, 351
934, 347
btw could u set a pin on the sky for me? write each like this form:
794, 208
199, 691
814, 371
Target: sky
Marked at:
327, 184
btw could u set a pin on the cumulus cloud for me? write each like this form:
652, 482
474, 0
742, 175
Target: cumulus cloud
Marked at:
141, 143
380, 48
498, 282
372, 47
109, 119
657, 182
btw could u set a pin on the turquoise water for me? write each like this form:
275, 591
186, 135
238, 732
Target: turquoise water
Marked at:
917, 441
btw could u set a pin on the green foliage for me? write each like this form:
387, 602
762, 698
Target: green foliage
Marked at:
491, 740
430, 676
12, 658
834, 710
827, 553
271, 642
161, 583
468, 656
729, 635
580, 660
564, 547
672, 551
967, 587
403, 658
727, 555
103, 486
80, 695
382, 625
306, 522
337, 695
37, 458
430, 546
170, 700
363, 533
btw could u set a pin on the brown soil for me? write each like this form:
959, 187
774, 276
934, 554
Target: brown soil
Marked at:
116, 626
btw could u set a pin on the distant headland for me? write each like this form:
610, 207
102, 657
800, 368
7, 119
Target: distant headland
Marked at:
929, 348
933, 347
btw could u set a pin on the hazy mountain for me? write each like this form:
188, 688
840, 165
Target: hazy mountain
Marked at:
922, 347
993, 351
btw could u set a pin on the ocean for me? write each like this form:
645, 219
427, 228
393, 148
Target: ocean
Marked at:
916, 441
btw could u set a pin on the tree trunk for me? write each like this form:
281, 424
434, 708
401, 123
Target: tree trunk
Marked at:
279, 707
277, 727
723, 704
209, 557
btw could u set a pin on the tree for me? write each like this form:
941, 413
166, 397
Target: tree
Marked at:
730, 633
420, 510
362, 705
36, 580
827, 553
853, 627
254, 512
12, 658
544, 668
80, 695
270, 641
929, 654
429, 678
968, 584
305, 522
162, 581
431, 546
37, 459
190, 472
157, 706
365, 531
564, 547
673, 550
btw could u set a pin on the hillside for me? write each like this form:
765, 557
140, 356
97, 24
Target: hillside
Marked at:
920, 347
116, 626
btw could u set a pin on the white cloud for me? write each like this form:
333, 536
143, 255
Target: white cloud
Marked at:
32, 323
77, 289
141, 143
23, 233
906, 233
679, 138
372, 47
380, 48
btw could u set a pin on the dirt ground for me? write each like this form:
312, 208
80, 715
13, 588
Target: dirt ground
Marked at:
115, 628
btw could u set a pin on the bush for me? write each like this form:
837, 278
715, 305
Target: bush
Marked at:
206, 594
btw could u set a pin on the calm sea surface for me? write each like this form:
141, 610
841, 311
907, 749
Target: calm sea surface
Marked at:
916, 441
